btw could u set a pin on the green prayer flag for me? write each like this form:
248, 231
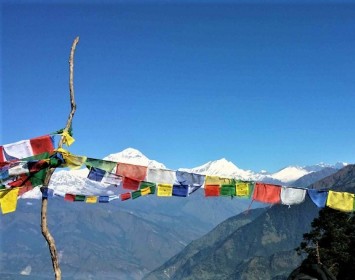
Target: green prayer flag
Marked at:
79, 197
101, 164
136, 194
152, 186
228, 190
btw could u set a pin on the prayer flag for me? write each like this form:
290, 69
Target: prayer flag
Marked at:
69, 197
165, 190
136, 194
215, 180
79, 197
100, 175
103, 199
101, 164
130, 184
96, 174
290, 196
91, 199
212, 190
2, 158
244, 189
125, 196
267, 193
227, 190
70, 160
146, 191
190, 179
162, 176
8, 200
319, 197
151, 186
342, 201
136, 172
180, 190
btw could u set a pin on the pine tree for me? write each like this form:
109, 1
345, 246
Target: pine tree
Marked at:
331, 242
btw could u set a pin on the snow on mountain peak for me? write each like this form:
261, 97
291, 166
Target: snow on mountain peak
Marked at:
290, 174
223, 168
133, 156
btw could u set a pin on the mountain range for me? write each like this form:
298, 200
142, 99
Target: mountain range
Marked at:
128, 238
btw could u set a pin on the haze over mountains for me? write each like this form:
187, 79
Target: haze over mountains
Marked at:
129, 238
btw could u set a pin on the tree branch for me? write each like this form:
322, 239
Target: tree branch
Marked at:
44, 226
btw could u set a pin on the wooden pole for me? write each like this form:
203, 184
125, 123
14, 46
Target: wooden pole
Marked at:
44, 227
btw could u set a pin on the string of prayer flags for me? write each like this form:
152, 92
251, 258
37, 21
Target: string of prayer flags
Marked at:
290, 196
319, 197
342, 201
26, 148
35, 173
8, 200
165, 190
267, 193
244, 189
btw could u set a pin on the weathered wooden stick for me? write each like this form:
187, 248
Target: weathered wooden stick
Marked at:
44, 227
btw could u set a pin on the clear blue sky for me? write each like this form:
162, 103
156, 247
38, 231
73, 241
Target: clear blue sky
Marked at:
185, 82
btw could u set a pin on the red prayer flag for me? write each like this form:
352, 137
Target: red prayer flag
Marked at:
2, 159
212, 190
130, 184
267, 193
42, 144
69, 197
137, 172
125, 196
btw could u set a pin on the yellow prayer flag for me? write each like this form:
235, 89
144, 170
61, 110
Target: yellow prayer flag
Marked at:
242, 189
215, 180
72, 161
145, 191
342, 201
8, 200
165, 190
91, 199
67, 138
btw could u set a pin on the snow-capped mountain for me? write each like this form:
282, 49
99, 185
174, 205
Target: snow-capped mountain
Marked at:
75, 181
134, 156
